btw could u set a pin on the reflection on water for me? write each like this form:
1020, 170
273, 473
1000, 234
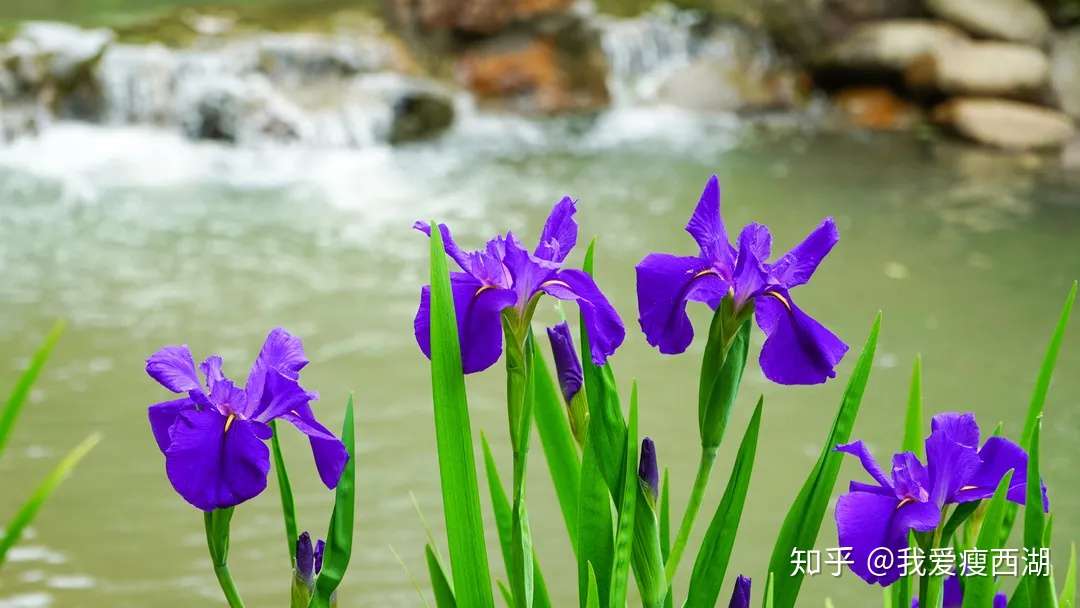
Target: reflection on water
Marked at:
140, 238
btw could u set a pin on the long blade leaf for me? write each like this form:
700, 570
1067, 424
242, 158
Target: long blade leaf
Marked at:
803, 520
979, 589
624, 535
288, 504
560, 450
339, 536
440, 585
18, 396
913, 419
453, 434
1068, 587
715, 552
1040, 587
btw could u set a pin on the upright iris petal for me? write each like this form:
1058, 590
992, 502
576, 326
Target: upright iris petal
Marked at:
505, 276
872, 516
740, 596
214, 439
798, 349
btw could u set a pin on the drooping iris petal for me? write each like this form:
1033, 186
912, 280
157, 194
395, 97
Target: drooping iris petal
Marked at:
740, 596
859, 450
449, 246
913, 515
163, 416
330, 454
213, 468
567, 364
665, 283
798, 265
797, 349
706, 225
478, 311
950, 462
997, 457
602, 322
174, 368
863, 521
560, 232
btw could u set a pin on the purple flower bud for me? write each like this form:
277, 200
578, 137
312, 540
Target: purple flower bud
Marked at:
319, 548
740, 598
304, 556
567, 363
648, 472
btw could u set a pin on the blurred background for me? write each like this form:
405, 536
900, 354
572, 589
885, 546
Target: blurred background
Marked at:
176, 172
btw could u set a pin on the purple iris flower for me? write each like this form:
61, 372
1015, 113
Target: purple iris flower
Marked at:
567, 364
878, 515
953, 596
740, 597
214, 437
504, 276
797, 349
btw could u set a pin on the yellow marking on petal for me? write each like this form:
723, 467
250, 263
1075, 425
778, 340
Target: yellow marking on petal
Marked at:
782, 299
703, 273
229, 421
556, 282
904, 502
482, 289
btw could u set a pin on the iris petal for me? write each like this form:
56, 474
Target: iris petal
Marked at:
798, 265
602, 323
560, 232
330, 454
665, 283
478, 310
215, 469
174, 368
859, 450
706, 225
163, 416
797, 349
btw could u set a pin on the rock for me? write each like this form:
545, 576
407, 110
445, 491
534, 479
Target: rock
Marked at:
876, 108
296, 58
804, 27
1015, 20
1065, 70
236, 110
54, 53
982, 68
889, 45
470, 16
1005, 124
419, 109
1070, 155
538, 73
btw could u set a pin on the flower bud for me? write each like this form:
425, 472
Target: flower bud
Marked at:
740, 597
648, 472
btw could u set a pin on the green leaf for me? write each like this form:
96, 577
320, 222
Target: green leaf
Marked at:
592, 596
560, 449
45, 488
339, 536
1040, 588
504, 591
1068, 588
803, 520
768, 601
624, 534
913, 420
647, 558
902, 590
453, 434
606, 421
963, 511
665, 531
595, 543
440, 585
979, 590
722, 368
217, 524
18, 396
504, 525
712, 560
288, 505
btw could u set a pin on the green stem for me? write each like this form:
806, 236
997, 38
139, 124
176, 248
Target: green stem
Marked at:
228, 586
708, 456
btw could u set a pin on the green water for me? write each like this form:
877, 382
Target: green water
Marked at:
151, 242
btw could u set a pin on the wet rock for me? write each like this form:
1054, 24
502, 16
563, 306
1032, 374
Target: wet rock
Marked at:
471, 16
46, 53
982, 68
876, 108
804, 27
1006, 124
418, 109
890, 46
1070, 155
547, 73
1016, 20
296, 58
236, 110
1065, 70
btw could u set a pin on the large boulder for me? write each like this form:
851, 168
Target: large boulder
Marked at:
296, 58
236, 110
804, 27
418, 109
982, 68
889, 45
1005, 123
1065, 70
1016, 20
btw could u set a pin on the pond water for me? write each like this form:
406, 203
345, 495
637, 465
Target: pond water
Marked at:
139, 238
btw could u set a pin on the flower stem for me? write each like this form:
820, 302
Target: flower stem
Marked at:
708, 457
228, 586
